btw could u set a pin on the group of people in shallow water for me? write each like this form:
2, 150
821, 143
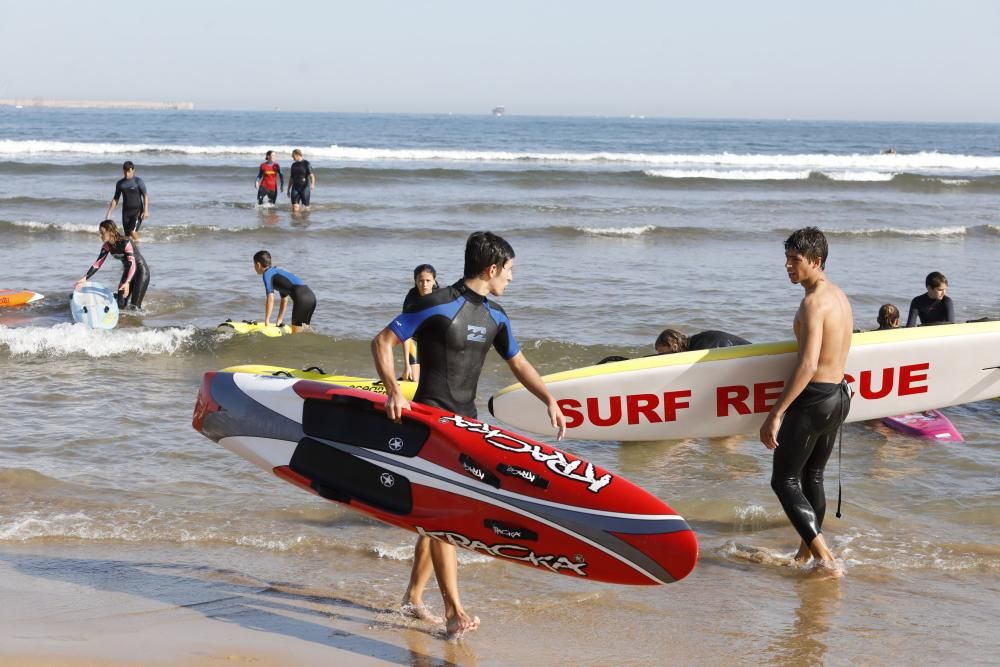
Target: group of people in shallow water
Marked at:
131, 192
453, 328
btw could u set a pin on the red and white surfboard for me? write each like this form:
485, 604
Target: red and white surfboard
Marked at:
455, 479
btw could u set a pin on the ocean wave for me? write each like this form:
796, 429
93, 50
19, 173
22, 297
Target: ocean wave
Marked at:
890, 232
617, 231
66, 339
899, 162
733, 174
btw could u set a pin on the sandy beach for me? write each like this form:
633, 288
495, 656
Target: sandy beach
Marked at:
134, 613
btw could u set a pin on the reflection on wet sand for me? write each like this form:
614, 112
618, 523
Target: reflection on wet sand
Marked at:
805, 642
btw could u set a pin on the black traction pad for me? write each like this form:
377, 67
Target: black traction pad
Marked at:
354, 421
340, 476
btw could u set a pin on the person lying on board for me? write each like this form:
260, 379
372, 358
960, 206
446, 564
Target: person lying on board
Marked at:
671, 341
934, 307
289, 286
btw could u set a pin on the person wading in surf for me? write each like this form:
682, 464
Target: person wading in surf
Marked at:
454, 328
802, 426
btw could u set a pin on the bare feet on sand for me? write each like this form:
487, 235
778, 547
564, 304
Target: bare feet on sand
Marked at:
420, 612
461, 624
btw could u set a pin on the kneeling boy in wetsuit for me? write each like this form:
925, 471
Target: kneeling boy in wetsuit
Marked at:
289, 286
803, 424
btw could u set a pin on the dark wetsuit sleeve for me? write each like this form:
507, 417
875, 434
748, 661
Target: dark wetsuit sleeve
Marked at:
504, 343
949, 309
911, 319
141, 184
118, 190
281, 177
99, 262
129, 262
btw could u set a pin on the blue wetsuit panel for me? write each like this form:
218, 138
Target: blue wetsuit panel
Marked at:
278, 279
454, 328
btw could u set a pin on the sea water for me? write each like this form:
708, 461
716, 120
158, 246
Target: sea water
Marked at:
622, 227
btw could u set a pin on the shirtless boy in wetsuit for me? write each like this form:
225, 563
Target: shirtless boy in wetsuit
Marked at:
454, 328
803, 424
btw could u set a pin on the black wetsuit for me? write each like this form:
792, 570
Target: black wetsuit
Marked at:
930, 311
712, 339
454, 328
135, 272
300, 188
287, 284
132, 192
706, 340
805, 440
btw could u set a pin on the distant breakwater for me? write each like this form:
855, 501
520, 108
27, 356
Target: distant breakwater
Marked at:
95, 104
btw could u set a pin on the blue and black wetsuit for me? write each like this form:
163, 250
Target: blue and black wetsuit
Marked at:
805, 441
135, 272
287, 284
930, 311
454, 328
132, 192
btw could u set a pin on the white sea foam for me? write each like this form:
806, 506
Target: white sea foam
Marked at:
35, 225
900, 162
931, 231
617, 231
65, 339
853, 175
405, 552
733, 174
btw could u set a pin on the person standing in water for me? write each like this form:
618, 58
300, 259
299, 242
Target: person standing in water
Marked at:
934, 307
455, 327
288, 286
802, 426
135, 201
301, 181
267, 179
424, 282
135, 273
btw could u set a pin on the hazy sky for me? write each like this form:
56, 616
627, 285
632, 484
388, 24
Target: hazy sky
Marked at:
904, 60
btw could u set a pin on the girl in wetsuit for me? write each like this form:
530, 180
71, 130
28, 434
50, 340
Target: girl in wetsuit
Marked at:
424, 282
934, 307
135, 273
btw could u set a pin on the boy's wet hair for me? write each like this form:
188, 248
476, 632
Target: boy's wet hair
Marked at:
483, 250
671, 339
809, 242
127, 165
935, 279
263, 258
888, 316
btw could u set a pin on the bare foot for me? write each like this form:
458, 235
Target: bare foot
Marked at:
828, 569
461, 624
420, 612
